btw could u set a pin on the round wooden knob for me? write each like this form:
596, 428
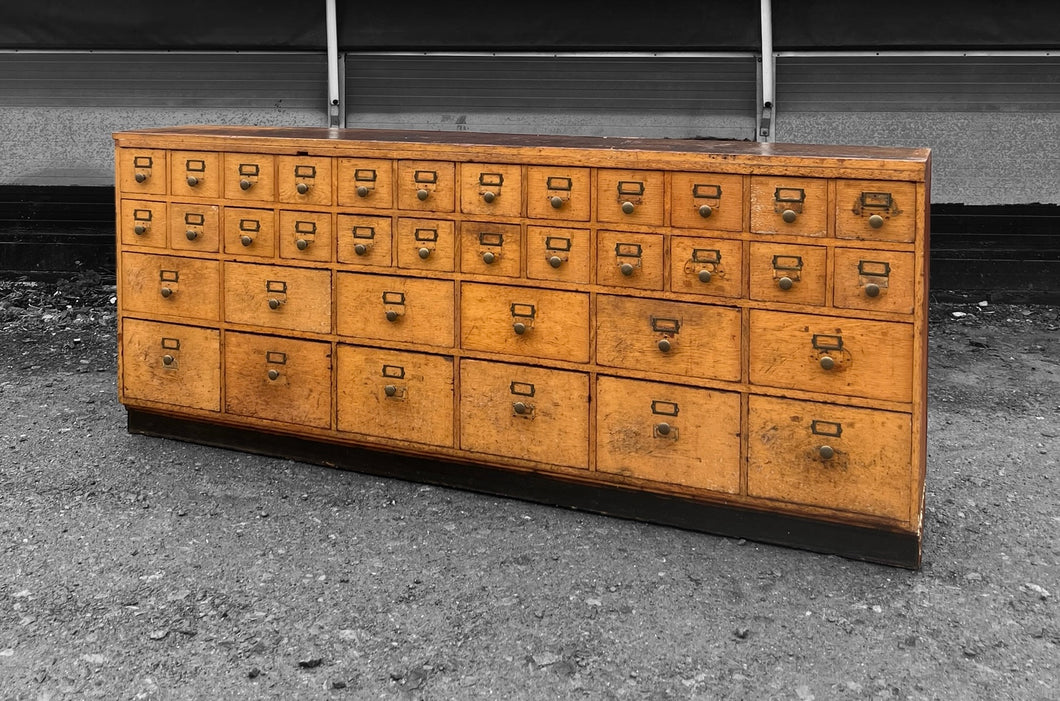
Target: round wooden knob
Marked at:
302, 188
274, 304
192, 234
166, 292
875, 221
274, 374
555, 261
520, 408
489, 196
192, 181
246, 239
360, 249
141, 177
789, 215
826, 452
245, 184
167, 360
362, 191
519, 327
301, 244
424, 253
662, 429
664, 345
390, 390
626, 269
422, 194
827, 363
785, 283
704, 276
705, 210
628, 207
489, 257
556, 201
872, 290
139, 229
392, 315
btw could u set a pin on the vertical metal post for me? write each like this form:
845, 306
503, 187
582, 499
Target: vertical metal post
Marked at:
334, 116
765, 111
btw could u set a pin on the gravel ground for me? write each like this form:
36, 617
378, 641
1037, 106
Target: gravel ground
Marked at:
140, 568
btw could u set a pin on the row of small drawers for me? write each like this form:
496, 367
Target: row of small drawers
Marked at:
852, 357
649, 430
864, 209
794, 273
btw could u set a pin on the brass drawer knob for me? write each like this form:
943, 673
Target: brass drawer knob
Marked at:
628, 207
556, 201
141, 177
664, 345
489, 196
626, 269
167, 292
245, 184
192, 181
519, 327
390, 390
704, 276
302, 244
875, 221
520, 408
785, 283
274, 375
192, 234
872, 290
489, 257
139, 229
246, 239
422, 194
392, 315
826, 452
302, 188
167, 360
274, 304
555, 261
362, 191
360, 249
705, 211
662, 429
424, 253
827, 363
789, 215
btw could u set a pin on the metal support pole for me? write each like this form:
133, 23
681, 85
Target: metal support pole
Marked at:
765, 112
335, 118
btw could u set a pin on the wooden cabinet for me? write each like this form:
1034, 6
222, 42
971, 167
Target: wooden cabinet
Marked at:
721, 336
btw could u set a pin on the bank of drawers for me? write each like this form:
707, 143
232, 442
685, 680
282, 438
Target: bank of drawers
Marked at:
745, 335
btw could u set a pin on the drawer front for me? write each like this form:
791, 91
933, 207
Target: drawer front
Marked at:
706, 266
277, 296
679, 338
629, 260
395, 395
875, 210
364, 240
830, 456
426, 186
250, 177
426, 244
366, 182
303, 180
630, 197
670, 434
557, 192
491, 189
305, 236
562, 255
523, 412
782, 273
143, 171
491, 249
171, 364
852, 357
391, 308
194, 227
250, 232
195, 174
525, 321
143, 223
876, 280
280, 379
797, 206
184, 287
707, 201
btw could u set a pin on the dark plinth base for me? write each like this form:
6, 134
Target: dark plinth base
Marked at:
857, 542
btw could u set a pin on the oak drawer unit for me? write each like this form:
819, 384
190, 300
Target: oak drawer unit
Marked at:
722, 336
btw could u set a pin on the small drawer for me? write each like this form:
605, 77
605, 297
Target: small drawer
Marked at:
677, 338
171, 364
391, 308
796, 206
491, 189
364, 240
876, 280
525, 321
561, 255
277, 296
304, 180
194, 227
169, 285
426, 244
783, 273
195, 174
875, 210
707, 201
630, 197
491, 249
852, 357
526, 413
667, 433
250, 232
366, 182
143, 223
305, 236
250, 177
557, 192
395, 395
705, 266
854, 460
143, 171
278, 379
629, 260
426, 186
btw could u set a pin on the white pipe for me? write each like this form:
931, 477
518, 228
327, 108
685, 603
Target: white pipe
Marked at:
333, 64
767, 54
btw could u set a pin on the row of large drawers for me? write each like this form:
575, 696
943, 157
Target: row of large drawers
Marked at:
852, 357
863, 209
800, 452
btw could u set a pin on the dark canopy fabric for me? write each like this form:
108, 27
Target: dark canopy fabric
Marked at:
678, 25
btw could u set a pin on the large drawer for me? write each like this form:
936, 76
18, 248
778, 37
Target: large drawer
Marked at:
393, 308
852, 357
835, 457
171, 364
524, 412
277, 296
668, 433
170, 285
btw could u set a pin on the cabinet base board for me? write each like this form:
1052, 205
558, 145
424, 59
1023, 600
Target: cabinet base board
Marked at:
894, 548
